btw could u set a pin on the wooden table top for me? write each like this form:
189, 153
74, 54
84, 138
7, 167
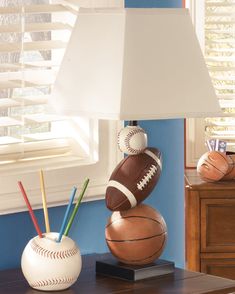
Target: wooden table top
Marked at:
181, 282
193, 181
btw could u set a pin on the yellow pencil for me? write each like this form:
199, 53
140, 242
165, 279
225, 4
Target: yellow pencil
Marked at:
44, 202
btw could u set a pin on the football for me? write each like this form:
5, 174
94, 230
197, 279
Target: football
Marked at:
133, 179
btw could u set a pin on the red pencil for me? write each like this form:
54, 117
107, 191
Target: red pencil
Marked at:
30, 209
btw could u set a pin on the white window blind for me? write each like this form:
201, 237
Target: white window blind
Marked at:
33, 37
219, 32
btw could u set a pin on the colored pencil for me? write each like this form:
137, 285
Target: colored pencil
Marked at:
67, 214
85, 184
44, 202
30, 209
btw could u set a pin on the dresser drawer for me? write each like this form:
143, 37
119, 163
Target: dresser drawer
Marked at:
217, 225
221, 265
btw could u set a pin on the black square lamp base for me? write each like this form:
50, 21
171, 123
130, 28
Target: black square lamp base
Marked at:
112, 268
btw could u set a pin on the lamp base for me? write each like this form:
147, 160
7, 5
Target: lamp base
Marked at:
112, 268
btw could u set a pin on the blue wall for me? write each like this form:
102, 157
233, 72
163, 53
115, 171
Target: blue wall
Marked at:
88, 229
153, 3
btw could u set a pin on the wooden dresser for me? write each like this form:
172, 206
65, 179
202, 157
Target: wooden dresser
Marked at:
210, 226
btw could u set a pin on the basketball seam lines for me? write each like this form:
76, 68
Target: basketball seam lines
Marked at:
222, 157
228, 173
205, 178
139, 260
149, 218
215, 167
134, 240
231, 158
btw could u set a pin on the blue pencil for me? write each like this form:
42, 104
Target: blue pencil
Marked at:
67, 214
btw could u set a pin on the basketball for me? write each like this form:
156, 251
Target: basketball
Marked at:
230, 175
136, 236
212, 166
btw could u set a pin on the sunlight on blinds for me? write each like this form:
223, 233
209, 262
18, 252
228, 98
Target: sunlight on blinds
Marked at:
33, 36
220, 57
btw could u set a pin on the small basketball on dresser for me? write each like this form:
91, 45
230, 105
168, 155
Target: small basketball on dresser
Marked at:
212, 166
136, 236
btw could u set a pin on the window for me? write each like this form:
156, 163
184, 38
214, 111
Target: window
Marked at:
32, 44
33, 37
215, 26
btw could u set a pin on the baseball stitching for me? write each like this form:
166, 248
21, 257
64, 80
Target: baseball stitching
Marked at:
53, 254
127, 141
128, 138
53, 281
118, 141
147, 177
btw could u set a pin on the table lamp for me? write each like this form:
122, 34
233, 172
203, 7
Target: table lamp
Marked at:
134, 64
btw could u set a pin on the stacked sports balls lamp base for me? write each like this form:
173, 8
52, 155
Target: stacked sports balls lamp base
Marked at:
135, 233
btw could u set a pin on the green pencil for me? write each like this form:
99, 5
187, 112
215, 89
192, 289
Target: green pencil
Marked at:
85, 184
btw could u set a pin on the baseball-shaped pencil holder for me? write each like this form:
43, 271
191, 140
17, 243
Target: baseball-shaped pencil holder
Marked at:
49, 265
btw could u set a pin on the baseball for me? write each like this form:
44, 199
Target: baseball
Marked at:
132, 140
51, 266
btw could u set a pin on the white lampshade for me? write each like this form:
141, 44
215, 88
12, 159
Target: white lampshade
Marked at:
134, 64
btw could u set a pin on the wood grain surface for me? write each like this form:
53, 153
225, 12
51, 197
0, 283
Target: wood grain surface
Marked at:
210, 226
182, 281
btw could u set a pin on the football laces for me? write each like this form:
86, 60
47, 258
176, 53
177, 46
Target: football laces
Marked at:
147, 177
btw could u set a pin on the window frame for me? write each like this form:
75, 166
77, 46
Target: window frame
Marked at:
58, 194
196, 128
